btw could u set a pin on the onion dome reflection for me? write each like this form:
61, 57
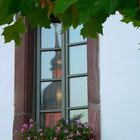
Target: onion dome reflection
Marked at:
52, 94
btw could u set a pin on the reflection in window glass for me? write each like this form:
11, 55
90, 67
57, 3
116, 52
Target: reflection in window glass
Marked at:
74, 35
78, 91
48, 36
51, 95
51, 65
83, 112
50, 119
78, 59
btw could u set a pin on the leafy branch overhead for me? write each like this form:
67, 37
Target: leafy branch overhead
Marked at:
89, 13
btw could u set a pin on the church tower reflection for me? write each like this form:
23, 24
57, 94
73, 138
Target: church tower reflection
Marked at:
52, 94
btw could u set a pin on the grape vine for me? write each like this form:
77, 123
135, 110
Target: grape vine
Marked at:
89, 13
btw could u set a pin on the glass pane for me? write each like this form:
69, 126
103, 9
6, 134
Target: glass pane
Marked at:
78, 91
51, 95
51, 65
48, 36
50, 119
78, 59
83, 112
74, 35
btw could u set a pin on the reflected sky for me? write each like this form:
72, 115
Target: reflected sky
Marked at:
78, 59
78, 91
74, 35
48, 36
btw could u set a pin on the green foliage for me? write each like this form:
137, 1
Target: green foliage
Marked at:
5, 16
13, 31
38, 16
63, 5
89, 13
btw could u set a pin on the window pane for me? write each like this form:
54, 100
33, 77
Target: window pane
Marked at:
78, 91
74, 35
51, 65
50, 119
83, 112
78, 59
51, 95
48, 36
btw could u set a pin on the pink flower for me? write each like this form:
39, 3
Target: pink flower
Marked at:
15, 131
31, 121
66, 131
55, 138
58, 129
35, 137
31, 125
25, 126
41, 134
78, 133
40, 130
29, 138
22, 130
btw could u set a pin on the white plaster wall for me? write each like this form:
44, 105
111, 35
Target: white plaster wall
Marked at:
120, 81
6, 89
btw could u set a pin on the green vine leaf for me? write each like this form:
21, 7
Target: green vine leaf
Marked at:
14, 6
38, 17
14, 31
63, 5
5, 18
86, 9
109, 5
70, 17
91, 28
136, 23
27, 6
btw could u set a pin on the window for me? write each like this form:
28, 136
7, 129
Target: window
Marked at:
61, 75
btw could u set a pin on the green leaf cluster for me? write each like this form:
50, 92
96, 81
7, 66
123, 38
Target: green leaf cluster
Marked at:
89, 13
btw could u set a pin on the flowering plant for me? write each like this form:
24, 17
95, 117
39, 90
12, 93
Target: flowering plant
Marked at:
75, 130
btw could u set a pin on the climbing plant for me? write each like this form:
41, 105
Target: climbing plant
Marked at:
89, 13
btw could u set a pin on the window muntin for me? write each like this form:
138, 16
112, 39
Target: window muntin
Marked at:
47, 76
